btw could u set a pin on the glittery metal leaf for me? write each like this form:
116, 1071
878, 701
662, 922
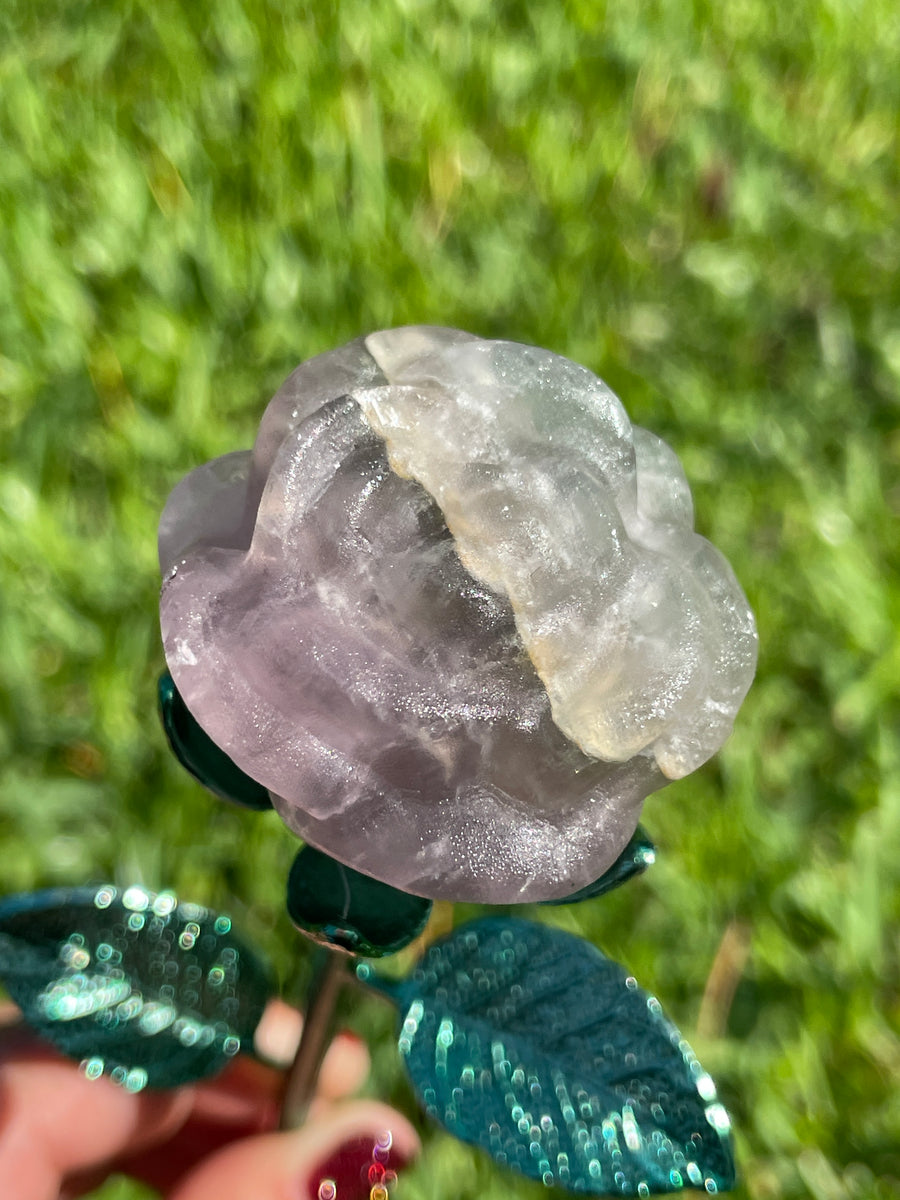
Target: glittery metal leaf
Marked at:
528, 1042
341, 908
638, 855
133, 984
201, 757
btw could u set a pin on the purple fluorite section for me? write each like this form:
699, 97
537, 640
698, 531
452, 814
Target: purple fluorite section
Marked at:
322, 629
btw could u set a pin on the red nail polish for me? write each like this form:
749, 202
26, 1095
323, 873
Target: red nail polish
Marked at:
361, 1169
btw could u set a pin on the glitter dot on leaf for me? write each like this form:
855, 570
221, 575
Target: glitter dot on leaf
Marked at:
527, 1041
138, 987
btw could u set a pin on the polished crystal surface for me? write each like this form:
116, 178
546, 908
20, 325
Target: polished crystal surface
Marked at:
452, 613
638, 855
636, 624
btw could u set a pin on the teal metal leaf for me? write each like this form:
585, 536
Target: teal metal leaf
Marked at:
132, 984
528, 1042
345, 910
201, 757
638, 855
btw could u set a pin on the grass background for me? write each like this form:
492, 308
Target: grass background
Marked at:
699, 202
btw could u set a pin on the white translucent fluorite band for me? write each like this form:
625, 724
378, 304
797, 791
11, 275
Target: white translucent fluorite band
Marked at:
634, 622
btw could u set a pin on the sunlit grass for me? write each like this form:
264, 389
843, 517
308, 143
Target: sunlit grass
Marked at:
697, 201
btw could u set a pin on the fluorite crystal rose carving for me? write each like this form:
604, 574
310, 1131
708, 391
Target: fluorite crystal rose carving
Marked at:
451, 610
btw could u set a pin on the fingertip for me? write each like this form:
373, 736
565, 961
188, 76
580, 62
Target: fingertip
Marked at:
278, 1034
9, 1014
56, 1122
346, 1064
345, 1068
350, 1145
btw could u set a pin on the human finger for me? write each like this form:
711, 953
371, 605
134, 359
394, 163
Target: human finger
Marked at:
346, 1063
56, 1124
55, 1121
342, 1152
244, 1100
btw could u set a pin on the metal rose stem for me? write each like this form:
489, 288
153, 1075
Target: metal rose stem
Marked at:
330, 973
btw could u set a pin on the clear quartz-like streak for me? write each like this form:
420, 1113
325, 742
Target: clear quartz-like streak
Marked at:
636, 624
321, 625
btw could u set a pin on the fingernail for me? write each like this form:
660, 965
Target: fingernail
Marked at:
361, 1169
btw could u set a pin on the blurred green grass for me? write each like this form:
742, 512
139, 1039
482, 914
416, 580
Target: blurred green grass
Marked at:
697, 201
